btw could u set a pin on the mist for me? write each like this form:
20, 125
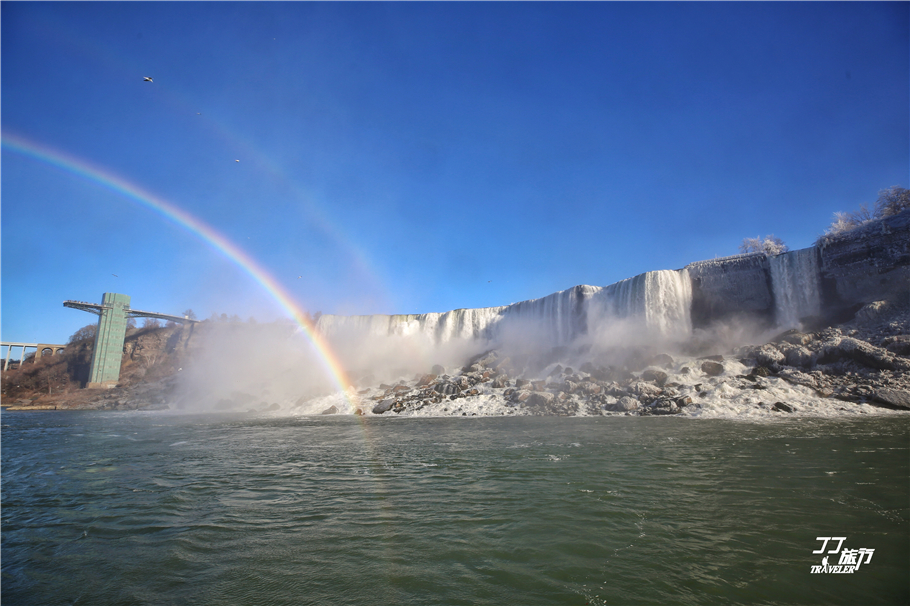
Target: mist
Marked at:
620, 327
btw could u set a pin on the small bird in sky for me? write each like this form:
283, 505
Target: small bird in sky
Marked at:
298, 277
115, 275
147, 79
236, 160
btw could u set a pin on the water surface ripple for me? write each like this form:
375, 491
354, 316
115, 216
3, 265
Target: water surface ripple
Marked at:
119, 508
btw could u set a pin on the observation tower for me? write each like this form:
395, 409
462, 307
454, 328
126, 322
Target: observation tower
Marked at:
111, 333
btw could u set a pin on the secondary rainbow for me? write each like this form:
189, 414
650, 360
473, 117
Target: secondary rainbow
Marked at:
220, 243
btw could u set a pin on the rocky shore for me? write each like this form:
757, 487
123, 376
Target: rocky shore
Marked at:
860, 367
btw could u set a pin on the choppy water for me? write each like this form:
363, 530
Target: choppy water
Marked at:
121, 508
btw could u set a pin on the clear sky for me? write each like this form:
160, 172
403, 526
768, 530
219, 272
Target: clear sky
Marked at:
419, 157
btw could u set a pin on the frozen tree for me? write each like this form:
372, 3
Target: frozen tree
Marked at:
771, 245
890, 202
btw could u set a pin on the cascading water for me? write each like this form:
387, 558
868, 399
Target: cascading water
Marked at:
554, 320
439, 328
660, 299
796, 285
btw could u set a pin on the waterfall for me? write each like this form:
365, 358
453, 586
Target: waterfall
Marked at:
796, 286
661, 300
556, 319
438, 328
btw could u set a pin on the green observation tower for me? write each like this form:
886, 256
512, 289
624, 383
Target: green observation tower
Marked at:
111, 333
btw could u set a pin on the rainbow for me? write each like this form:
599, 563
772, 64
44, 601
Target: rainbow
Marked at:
220, 243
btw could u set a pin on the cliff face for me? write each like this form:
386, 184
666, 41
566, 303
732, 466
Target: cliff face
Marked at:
149, 356
844, 272
870, 263
731, 287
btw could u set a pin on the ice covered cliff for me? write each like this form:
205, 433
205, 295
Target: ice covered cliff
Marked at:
869, 264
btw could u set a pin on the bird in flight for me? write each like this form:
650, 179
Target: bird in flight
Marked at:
147, 79
115, 275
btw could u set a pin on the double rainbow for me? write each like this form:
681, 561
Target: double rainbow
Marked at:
194, 225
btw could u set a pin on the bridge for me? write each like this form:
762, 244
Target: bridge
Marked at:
110, 334
40, 349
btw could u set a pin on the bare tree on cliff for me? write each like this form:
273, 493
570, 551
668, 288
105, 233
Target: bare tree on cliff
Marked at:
771, 245
86, 332
890, 202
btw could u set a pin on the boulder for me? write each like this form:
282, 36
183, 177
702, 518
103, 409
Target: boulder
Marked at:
661, 406
781, 407
898, 344
591, 388
662, 360
624, 404
893, 397
860, 352
541, 399
655, 376
644, 391
871, 312
331, 410
712, 369
769, 355
683, 401
447, 388
799, 356
426, 380
383, 406
520, 395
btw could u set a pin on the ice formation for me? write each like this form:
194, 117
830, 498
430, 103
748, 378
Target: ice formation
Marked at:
659, 300
796, 285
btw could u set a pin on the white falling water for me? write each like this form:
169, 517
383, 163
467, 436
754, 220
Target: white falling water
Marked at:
661, 300
796, 285
554, 320
437, 327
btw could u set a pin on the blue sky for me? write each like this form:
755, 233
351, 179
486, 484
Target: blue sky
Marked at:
418, 157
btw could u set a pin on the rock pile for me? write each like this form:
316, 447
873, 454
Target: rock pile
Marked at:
864, 362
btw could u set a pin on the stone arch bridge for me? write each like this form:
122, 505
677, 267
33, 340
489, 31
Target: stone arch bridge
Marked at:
40, 350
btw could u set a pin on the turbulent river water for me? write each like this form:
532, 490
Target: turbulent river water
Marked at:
156, 508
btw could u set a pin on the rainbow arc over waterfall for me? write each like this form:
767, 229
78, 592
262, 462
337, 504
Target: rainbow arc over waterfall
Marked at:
208, 234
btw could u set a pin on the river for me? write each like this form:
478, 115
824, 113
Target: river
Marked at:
159, 508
